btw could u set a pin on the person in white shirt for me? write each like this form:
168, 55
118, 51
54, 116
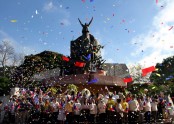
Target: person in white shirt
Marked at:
102, 111
147, 108
77, 109
93, 111
120, 111
133, 110
115, 96
85, 111
55, 109
141, 109
154, 110
61, 115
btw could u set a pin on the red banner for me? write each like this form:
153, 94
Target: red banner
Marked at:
65, 58
126, 80
79, 64
145, 71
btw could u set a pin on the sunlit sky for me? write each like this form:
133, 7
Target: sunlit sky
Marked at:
132, 31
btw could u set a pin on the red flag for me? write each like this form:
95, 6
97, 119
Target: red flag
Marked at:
129, 79
65, 58
147, 70
79, 64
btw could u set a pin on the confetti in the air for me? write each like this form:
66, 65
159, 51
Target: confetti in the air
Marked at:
153, 87
36, 12
67, 7
14, 20
158, 75
171, 28
93, 81
83, 1
61, 23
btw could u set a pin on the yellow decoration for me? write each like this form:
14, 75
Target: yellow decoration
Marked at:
53, 90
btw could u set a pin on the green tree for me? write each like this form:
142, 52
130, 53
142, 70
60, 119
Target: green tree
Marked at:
4, 85
34, 64
163, 77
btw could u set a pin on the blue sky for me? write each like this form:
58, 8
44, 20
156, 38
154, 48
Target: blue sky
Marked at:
132, 31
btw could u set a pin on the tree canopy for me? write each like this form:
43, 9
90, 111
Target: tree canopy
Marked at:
163, 77
33, 64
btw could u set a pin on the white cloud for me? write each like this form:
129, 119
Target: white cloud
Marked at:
157, 43
49, 7
52, 7
63, 13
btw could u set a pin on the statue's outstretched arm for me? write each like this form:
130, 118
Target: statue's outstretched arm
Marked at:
90, 21
80, 22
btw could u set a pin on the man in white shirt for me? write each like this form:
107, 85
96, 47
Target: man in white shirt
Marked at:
120, 111
133, 110
77, 109
93, 111
147, 108
115, 96
55, 109
154, 109
102, 111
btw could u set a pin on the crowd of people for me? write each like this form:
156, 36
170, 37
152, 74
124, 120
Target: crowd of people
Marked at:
44, 107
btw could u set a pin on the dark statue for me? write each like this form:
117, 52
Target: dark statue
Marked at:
85, 26
87, 49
